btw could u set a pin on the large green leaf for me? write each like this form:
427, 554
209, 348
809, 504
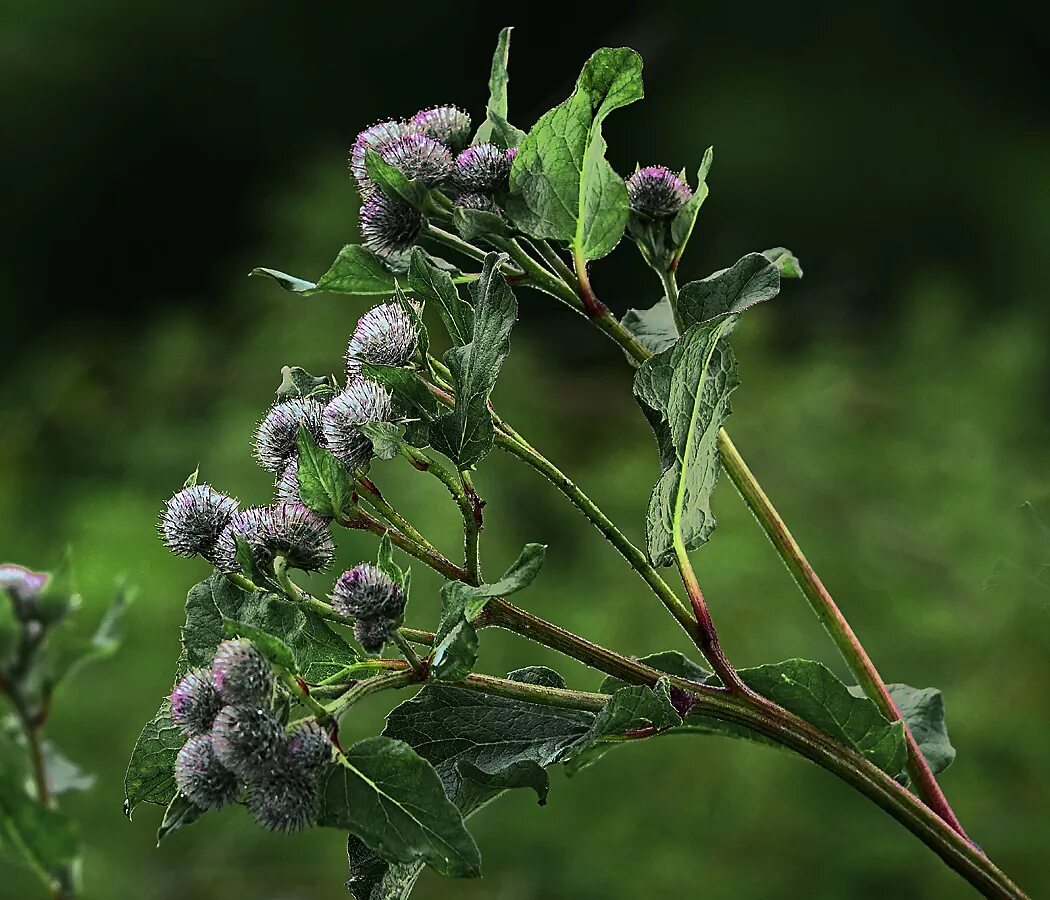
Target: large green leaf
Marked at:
428, 282
150, 777
687, 390
561, 185
496, 128
751, 280
392, 798
462, 733
465, 434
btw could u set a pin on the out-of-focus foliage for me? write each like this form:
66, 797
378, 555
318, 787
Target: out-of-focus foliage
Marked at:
893, 404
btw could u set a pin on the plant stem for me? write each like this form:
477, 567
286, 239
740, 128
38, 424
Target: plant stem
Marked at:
594, 307
396, 679
293, 591
409, 654
374, 497
362, 520
834, 622
466, 248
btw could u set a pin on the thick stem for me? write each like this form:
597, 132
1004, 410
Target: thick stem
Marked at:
371, 494
831, 617
402, 644
594, 307
361, 520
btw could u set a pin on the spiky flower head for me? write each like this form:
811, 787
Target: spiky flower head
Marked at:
247, 740
283, 800
375, 138
298, 534
365, 591
478, 201
388, 226
277, 432
193, 519
245, 525
286, 487
201, 777
483, 167
241, 675
195, 702
449, 125
384, 336
420, 157
657, 192
372, 633
307, 748
362, 401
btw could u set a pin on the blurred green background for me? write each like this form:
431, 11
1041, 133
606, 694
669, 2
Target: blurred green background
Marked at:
893, 403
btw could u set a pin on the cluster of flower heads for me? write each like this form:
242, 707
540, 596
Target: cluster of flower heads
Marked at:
431, 147
373, 600
236, 746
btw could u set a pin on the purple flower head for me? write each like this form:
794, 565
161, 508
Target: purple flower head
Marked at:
371, 634
388, 227
384, 336
449, 125
241, 675
247, 740
298, 534
366, 592
193, 519
244, 524
283, 800
481, 168
286, 487
657, 192
22, 584
478, 201
362, 401
307, 748
376, 138
420, 157
201, 777
195, 702
277, 432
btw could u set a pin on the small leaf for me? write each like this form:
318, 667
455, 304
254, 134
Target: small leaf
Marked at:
191, 479
180, 813
520, 575
456, 640
393, 799
274, 649
465, 434
411, 396
64, 775
387, 438
922, 710
785, 261
654, 327
385, 563
356, 270
523, 774
324, 484
288, 282
297, 382
750, 281
430, 283
392, 181
685, 219
561, 186
475, 224
496, 129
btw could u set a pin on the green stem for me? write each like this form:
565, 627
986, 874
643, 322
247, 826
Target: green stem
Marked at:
362, 520
554, 260
396, 679
670, 284
291, 589
402, 644
374, 497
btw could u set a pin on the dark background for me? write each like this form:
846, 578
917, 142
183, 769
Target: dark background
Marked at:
893, 402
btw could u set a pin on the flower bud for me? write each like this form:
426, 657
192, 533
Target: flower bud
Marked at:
201, 777
193, 519
478, 201
241, 674
195, 702
298, 534
23, 586
419, 157
388, 226
449, 125
372, 633
275, 438
384, 336
283, 800
362, 401
366, 592
307, 748
375, 138
481, 168
657, 193
247, 740
245, 525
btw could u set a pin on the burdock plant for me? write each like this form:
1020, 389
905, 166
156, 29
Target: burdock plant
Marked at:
521, 211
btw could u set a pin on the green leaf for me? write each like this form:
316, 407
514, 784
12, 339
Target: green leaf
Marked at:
687, 389
288, 282
64, 775
561, 186
393, 182
496, 129
428, 282
356, 270
751, 280
785, 261
191, 479
414, 311
465, 434
274, 649
412, 399
387, 438
523, 774
324, 484
654, 327
297, 382
44, 839
923, 712
150, 777
180, 813
520, 575
475, 224
392, 798
685, 219
456, 639
385, 563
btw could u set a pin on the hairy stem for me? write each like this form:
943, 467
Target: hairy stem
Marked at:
402, 644
371, 494
361, 520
